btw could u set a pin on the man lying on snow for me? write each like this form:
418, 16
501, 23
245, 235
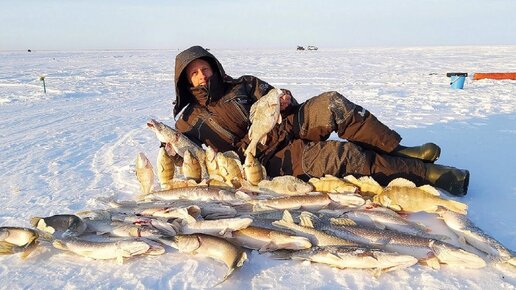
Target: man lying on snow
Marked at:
217, 114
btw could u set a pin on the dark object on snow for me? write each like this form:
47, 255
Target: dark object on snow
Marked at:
451, 179
457, 74
28, 50
300, 48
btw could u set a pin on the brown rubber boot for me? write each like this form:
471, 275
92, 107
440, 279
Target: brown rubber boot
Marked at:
428, 152
451, 179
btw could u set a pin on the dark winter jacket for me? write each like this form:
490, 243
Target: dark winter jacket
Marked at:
223, 121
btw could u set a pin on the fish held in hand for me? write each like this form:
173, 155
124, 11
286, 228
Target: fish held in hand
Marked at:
177, 142
264, 115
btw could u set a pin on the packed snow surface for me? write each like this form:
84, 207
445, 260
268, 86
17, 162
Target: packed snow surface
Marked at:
61, 152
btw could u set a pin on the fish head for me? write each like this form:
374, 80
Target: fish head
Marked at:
164, 133
142, 161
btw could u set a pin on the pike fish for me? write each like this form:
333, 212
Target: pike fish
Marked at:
216, 248
350, 257
316, 237
220, 227
419, 247
203, 193
474, 236
262, 239
144, 173
402, 194
103, 250
61, 225
285, 185
387, 219
178, 142
264, 115
17, 239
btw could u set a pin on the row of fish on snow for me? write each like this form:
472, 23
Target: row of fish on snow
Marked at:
212, 205
327, 220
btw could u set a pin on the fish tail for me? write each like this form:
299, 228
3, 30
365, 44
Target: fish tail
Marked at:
6, 248
456, 206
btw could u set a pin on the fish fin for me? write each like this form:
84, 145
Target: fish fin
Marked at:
262, 141
456, 206
431, 262
6, 248
307, 219
343, 222
280, 119
430, 189
287, 217
28, 250
395, 207
402, 182
119, 259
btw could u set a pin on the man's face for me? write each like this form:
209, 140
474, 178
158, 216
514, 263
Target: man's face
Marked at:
198, 72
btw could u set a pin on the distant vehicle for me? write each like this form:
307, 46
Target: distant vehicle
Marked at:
311, 47
300, 48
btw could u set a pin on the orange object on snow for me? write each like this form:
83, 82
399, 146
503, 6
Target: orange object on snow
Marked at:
495, 76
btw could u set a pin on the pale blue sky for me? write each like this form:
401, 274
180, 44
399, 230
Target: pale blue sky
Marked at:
130, 24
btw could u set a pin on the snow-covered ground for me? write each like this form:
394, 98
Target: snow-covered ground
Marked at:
62, 150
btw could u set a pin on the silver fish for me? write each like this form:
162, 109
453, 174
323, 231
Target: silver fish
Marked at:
316, 237
103, 250
264, 115
473, 235
203, 193
216, 248
415, 246
220, 227
178, 142
263, 239
61, 225
388, 219
345, 257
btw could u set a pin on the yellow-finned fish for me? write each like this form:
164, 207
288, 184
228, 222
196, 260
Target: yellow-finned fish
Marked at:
211, 163
403, 195
144, 173
366, 184
230, 167
285, 185
191, 167
165, 168
330, 183
253, 170
17, 239
264, 115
